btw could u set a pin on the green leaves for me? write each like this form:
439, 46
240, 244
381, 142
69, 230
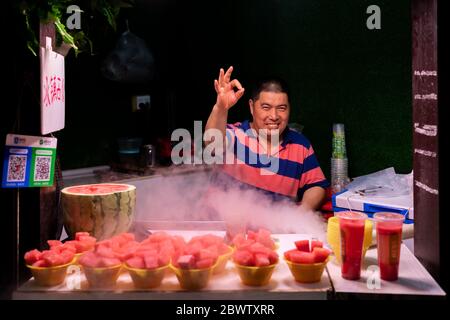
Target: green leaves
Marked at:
54, 11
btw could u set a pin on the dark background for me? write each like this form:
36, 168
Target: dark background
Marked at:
338, 71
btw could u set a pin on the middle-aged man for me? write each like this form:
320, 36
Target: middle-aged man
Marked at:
267, 140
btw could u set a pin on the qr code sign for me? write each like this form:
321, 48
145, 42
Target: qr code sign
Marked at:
42, 168
17, 168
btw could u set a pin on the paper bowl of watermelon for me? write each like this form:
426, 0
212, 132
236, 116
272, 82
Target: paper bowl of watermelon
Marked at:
49, 276
147, 269
193, 279
49, 267
308, 261
147, 278
101, 271
255, 257
194, 266
255, 276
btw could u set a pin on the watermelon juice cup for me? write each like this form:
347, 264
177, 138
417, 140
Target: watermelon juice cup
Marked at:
389, 237
352, 237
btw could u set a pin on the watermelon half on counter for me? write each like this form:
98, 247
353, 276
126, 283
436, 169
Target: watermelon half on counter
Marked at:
104, 210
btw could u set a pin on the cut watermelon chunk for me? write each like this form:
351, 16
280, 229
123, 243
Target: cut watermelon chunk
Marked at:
259, 248
302, 245
265, 237
67, 256
252, 235
186, 262
244, 258
316, 244
54, 243
81, 234
261, 260
205, 263
207, 254
41, 264
32, 256
287, 254
109, 262
238, 240
87, 239
273, 257
163, 260
136, 262
54, 259
151, 262
90, 260
320, 254
302, 257
105, 252
68, 247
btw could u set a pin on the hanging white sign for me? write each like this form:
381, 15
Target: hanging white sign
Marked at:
52, 89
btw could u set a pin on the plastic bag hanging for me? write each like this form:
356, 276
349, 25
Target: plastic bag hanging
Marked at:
131, 61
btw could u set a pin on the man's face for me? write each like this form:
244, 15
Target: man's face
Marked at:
270, 112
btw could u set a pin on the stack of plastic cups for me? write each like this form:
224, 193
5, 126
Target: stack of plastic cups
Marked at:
339, 161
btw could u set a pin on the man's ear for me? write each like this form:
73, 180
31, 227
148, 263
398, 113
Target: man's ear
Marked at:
250, 103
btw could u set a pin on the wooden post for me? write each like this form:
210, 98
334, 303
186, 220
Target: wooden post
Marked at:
425, 134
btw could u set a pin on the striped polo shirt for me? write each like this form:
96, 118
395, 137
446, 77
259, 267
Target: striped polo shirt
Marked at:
287, 173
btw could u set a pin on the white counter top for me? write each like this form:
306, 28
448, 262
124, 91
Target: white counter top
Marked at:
414, 279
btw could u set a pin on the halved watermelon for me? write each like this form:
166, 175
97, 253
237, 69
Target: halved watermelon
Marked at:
103, 210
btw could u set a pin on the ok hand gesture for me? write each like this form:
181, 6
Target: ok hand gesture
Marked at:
226, 96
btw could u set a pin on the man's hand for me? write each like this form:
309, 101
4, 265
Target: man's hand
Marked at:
226, 96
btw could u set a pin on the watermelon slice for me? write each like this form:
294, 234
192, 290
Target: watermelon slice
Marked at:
302, 245
316, 244
320, 254
302, 257
287, 254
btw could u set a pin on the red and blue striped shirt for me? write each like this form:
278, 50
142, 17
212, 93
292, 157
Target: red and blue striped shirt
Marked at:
297, 168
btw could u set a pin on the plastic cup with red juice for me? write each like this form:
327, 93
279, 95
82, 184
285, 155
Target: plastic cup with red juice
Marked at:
352, 237
389, 238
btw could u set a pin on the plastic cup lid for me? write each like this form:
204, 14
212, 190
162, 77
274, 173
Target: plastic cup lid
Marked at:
351, 215
388, 217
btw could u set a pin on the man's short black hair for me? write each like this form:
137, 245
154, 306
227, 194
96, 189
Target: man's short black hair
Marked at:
271, 84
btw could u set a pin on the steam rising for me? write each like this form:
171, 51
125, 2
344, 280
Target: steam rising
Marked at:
193, 197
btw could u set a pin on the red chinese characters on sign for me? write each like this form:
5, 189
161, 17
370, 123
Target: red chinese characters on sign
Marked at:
53, 87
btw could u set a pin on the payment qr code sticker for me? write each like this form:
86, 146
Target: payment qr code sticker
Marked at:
17, 168
42, 168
